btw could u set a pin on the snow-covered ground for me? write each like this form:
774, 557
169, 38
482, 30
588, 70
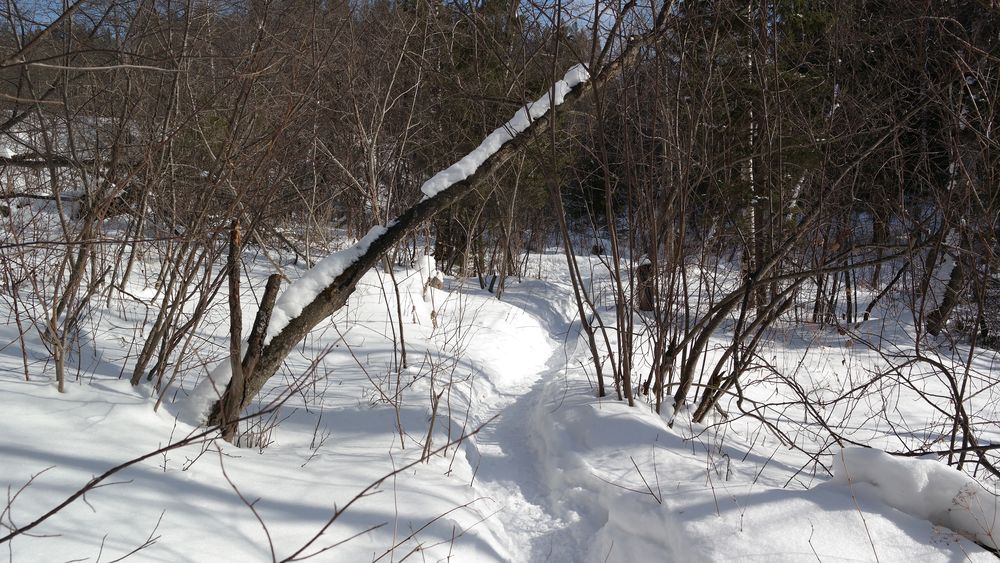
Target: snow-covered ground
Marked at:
527, 465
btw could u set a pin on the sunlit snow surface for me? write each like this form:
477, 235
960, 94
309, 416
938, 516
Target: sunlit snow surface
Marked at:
557, 475
924, 488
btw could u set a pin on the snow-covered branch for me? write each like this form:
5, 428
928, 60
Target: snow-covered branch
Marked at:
326, 288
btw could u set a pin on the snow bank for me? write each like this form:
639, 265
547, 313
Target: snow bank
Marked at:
185, 500
923, 488
288, 306
471, 162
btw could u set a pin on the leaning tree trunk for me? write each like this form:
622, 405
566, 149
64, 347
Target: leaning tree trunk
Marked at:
335, 295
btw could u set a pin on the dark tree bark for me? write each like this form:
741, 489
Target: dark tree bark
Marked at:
235, 329
644, 282
226, 412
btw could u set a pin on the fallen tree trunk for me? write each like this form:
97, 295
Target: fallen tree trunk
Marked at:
441, 192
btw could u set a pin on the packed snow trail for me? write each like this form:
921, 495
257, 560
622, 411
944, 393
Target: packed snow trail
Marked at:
581, 479
530, 341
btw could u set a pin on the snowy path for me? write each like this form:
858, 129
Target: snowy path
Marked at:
509, 467
568, 472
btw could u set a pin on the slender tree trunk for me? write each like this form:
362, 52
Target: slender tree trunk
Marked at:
230, 427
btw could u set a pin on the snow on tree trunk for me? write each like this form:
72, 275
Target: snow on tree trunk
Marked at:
325, 288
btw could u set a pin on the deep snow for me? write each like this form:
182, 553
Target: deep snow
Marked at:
554, 474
